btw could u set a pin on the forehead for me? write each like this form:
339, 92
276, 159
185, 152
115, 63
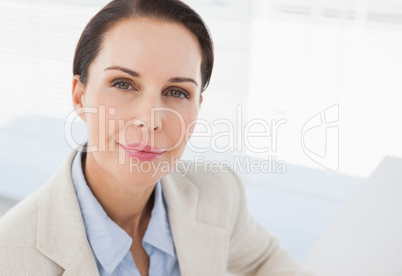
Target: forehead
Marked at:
149, 45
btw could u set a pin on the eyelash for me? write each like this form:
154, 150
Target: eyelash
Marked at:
115, 84
183, 92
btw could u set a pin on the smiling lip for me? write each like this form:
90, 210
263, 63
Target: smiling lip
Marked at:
142, 152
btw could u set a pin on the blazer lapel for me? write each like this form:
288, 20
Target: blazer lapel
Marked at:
61, 232
199, 247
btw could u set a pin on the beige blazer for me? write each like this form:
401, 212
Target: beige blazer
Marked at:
212, 229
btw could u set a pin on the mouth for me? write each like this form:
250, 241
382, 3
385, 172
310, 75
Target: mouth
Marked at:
142, 152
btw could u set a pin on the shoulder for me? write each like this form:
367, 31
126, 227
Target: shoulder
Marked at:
18, 232
23, 212
20, 227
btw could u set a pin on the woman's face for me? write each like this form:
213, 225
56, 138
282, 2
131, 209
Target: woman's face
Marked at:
142, 98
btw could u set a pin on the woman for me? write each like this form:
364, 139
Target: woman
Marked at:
121, 204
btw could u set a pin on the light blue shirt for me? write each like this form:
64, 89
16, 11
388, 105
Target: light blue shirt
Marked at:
111, 244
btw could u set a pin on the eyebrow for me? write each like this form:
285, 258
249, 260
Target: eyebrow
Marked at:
179, 80
136, 75
125, 70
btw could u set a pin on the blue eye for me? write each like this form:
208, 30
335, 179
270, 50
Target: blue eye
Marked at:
176, 93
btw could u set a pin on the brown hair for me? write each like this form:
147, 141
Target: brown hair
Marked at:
91, 39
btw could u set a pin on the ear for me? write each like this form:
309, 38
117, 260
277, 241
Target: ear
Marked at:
78, 96
201, 98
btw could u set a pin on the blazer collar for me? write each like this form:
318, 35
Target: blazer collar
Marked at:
199, 246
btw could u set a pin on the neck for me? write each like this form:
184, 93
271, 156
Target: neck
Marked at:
128, 206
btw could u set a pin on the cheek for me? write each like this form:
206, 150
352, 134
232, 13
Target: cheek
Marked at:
190, 125
181, 129
190, 119
92, 119
101, 118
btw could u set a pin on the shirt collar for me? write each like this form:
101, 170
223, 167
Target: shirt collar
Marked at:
109, 242
158, 233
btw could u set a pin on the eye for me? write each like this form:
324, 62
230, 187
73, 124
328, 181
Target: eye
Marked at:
121, 84
177, 93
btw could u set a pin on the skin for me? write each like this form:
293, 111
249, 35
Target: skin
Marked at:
157, 51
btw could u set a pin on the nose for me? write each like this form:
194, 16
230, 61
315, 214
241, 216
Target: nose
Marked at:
144, 127
147, 117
